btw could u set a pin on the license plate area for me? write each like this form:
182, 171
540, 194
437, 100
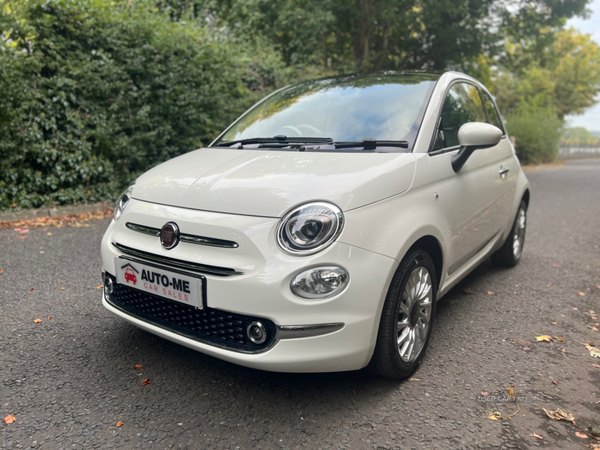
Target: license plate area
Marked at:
165, 282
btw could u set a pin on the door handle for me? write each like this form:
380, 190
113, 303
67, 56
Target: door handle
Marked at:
503, 171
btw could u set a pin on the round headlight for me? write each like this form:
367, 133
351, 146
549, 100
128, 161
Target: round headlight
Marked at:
310, 228
320, 282
122, 203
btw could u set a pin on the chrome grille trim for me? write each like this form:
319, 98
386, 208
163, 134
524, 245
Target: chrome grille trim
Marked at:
143, 229
189, 238
177, 263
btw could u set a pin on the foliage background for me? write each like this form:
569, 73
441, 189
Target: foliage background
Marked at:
94, 92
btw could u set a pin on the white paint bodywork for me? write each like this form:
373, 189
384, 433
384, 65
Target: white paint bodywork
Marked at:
390, 201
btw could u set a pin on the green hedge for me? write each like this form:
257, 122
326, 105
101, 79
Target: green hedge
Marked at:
537, 132
94, 93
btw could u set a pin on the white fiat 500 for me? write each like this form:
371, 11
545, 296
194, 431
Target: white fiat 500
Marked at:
318, 231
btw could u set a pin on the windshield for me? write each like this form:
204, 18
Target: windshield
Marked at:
386, 107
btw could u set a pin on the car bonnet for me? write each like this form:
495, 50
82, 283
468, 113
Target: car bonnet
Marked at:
269, 183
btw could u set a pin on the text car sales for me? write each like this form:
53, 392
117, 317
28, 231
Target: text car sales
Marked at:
153, 279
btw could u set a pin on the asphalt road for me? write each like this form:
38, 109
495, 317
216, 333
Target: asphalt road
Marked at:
68, 381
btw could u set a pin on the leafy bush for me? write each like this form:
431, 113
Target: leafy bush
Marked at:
95, 93
537, 132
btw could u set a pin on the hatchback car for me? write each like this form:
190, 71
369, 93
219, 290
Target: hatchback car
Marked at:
319, 230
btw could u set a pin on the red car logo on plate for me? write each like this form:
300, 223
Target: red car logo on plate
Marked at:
130, 276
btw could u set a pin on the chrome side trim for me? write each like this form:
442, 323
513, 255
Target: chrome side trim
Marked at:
177, 263
301, 331
189, 238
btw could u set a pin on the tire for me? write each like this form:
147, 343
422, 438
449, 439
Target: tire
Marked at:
511, 251
410, 299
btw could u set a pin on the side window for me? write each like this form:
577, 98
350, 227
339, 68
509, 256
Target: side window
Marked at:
462, 105
491, 111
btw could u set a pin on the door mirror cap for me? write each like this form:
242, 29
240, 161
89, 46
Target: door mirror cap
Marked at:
479, 135
473, 136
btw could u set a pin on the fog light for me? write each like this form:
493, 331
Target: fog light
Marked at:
256, 332
320, 282
109, 286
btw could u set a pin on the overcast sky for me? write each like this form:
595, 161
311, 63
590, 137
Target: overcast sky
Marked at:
591, 118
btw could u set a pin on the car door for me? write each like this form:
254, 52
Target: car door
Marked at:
504, 167
470, 190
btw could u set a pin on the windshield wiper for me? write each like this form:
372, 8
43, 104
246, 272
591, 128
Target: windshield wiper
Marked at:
371, 144
280, 139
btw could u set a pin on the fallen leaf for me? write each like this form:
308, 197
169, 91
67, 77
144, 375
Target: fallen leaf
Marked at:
1, 271
496, 415
21, 230
594, 352
9, 419
575, 309
31, 290
555, 382
119, 424
560, 339
556, 265
560, 414
50, 318
581, 294
549, 284
511, 391
544, 337
147, 382
23, 237
37, 320
353, 391
563, 350
594, 431
100, 287
592, 328
62, 288
49, 234
490, 293
485, 394
526, 348
414, 379
468, 291
554, 323
536, 436
137, 366
596, 365
581, 435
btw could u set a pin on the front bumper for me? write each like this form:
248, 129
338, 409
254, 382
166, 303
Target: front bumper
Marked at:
261, 289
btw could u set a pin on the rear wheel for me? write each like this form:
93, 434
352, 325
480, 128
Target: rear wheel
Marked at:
407, 317
510, 253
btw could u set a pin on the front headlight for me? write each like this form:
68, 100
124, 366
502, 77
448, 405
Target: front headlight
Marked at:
310, 228
122, 203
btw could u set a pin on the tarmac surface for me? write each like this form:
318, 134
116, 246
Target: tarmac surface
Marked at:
68, 381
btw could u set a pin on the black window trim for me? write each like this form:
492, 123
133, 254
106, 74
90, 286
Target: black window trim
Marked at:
440, 151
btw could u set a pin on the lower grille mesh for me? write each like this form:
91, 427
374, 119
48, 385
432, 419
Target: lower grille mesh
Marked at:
208, 325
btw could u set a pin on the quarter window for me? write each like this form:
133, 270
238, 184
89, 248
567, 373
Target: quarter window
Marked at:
462, 105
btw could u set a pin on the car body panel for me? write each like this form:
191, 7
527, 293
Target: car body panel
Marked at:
269, 183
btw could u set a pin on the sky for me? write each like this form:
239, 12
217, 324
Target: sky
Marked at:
590, 119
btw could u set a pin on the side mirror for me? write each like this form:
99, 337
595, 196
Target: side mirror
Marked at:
474, 136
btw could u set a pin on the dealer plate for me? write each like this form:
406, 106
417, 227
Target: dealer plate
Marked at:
158, 281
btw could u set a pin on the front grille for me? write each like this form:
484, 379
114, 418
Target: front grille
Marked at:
211, 326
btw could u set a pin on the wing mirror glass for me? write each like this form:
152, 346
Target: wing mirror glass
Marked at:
474, 136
